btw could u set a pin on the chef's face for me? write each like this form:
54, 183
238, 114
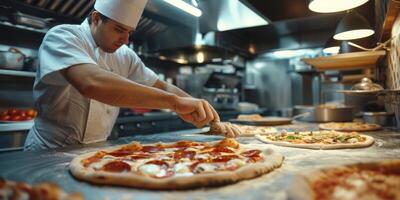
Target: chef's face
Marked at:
109, 34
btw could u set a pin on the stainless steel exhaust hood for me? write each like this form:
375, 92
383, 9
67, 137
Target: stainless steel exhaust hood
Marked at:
165, 30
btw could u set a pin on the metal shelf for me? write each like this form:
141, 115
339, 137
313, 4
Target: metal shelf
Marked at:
16, 126
346, 61
21, 27
17, 73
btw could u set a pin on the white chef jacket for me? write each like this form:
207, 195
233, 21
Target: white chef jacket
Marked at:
63, 111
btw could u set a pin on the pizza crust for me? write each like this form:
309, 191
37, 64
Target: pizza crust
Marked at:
349, 126
301, 187
272, 160
369, 141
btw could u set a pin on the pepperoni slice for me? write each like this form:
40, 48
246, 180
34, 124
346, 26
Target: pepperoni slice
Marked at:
185, 144
120, 153
161, 163
116, 166
99, 155
152, 149
184, 154
251, 153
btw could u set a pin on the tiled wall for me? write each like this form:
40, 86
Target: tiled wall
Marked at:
393, 71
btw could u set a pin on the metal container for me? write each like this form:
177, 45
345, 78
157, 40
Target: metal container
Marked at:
381, 118
324, 113
363, 96
12, 59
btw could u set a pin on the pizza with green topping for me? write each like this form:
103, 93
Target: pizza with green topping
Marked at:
318, 139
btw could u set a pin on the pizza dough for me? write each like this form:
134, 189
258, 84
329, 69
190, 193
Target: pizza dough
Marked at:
247, 130
318, 139
361, 181
180, 165
253, 117
349, 126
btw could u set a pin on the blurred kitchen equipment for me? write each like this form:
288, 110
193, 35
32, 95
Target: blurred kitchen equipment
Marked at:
381, 118
366, 85
246, 107
392, 103
12, 59
221, 91
265, 121
363, 96
324, 113
29, 20
31, 63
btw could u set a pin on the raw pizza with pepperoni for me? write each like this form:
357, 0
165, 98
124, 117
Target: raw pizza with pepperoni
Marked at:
179, 165
378, 180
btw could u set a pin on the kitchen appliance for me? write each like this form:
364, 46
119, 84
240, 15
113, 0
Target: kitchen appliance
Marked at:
12, 59
221, 90
222, 98
363, 96
324, 113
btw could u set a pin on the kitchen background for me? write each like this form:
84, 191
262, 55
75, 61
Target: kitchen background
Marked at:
244, 56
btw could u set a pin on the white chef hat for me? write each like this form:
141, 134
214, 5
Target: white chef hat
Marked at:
126, 12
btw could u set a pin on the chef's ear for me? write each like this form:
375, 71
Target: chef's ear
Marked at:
95, 18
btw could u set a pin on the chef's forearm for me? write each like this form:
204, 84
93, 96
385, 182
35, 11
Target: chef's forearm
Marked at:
115, 90
170, 88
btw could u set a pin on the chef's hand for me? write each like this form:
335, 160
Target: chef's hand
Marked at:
196, 111
224, 128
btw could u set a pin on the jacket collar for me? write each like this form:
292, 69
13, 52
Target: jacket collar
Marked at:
86, 27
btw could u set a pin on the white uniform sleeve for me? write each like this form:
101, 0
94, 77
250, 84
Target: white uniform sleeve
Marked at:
60, 49
139, 73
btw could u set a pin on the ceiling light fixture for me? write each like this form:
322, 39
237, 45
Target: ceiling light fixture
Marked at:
332, 46
329, 6
185, 7
353, 26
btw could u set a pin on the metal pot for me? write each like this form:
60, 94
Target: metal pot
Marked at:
363, 96
324, 113
12, 59
381, 118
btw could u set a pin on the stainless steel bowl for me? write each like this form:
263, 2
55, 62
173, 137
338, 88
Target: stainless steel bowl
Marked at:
322, 113
381, 118
12, 59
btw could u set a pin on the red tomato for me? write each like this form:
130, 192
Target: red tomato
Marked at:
16, 118
4, 113
5, 117
31, 112
12, 111
29, 118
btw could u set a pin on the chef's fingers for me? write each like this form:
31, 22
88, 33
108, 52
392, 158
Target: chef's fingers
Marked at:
215, 113
229, 132
209, 113
236, 130
200, 113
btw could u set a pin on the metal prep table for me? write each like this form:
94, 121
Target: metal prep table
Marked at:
52, 165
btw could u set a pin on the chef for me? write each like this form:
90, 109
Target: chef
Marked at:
86, 72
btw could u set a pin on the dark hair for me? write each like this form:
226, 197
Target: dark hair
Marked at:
102, 17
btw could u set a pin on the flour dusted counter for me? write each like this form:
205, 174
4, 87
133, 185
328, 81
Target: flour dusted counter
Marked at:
52, 165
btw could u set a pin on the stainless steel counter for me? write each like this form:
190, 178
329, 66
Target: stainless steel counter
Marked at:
52, 165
